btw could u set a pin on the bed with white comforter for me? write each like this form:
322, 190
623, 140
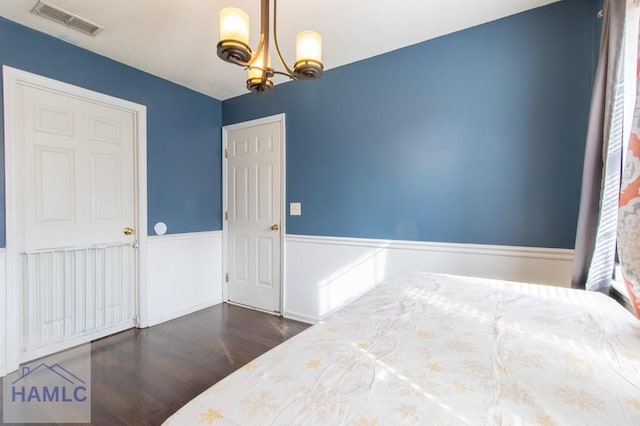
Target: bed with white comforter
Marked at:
443, 350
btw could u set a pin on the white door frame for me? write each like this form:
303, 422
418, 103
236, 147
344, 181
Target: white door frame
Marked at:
278, 118
12, 78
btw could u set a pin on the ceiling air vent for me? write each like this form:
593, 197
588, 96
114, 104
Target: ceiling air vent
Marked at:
67, 18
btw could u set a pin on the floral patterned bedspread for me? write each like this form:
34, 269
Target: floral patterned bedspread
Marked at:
440, 349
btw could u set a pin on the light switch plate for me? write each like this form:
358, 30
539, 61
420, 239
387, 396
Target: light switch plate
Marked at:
295, 209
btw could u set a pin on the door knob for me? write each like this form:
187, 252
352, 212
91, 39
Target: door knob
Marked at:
128, 231
275, 227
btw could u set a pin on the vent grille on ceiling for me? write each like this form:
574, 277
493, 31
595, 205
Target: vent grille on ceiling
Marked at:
67, 18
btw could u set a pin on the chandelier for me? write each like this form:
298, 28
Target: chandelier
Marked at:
234, 47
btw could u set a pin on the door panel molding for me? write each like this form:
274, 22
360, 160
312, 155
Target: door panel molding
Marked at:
280, 119
12, 79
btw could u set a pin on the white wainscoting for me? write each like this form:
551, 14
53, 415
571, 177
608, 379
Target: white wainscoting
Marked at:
3, 313
323, 274
184, 274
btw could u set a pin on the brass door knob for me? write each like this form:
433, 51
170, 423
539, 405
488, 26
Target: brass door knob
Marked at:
275, 227
128, 231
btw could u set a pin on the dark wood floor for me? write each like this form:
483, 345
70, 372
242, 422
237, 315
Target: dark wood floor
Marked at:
141, 377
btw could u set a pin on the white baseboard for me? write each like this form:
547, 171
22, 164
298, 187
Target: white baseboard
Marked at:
3, 313
177, 314
184, 274
323, 274
80, 340
300, 317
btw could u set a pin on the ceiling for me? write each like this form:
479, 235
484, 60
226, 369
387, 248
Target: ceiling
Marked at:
176, 39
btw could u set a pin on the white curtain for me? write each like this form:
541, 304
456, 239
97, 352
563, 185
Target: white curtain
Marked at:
629, 211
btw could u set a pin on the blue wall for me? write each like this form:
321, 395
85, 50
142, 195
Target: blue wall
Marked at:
184, 179
475, 137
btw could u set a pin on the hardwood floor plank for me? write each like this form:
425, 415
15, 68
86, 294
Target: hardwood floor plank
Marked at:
142, 376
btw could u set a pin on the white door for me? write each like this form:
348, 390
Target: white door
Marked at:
254, 215
75, 218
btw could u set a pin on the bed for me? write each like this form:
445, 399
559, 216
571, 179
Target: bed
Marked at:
442, 349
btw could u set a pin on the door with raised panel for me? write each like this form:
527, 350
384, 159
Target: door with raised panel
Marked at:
253, 215
76, 214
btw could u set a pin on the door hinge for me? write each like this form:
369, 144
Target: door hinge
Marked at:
226, 277
226, 153
136, 321
226, 215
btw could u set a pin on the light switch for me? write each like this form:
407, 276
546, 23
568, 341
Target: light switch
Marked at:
295, 209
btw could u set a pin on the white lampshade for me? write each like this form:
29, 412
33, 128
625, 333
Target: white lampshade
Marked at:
309, 46
255, 72
234, 25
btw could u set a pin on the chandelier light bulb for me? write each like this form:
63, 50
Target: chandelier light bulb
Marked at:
234, 36
308, 46
255, 73
234, 25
